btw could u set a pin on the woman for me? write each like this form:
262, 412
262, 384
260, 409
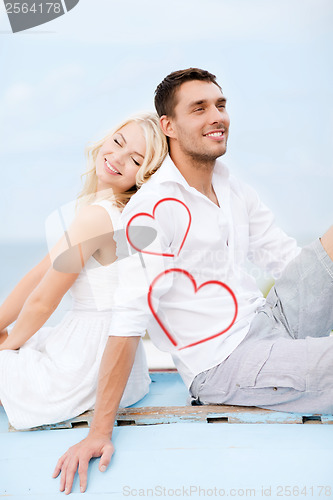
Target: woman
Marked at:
49, 375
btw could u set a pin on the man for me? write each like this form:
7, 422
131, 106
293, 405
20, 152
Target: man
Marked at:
228, 343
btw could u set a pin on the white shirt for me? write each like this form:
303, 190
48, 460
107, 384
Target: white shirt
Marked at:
178, 314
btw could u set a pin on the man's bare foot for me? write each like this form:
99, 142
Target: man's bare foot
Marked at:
327, 242
3, 336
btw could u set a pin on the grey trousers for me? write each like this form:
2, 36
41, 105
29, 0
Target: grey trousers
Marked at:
285, 362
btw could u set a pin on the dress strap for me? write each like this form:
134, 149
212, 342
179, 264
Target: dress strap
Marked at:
112, 210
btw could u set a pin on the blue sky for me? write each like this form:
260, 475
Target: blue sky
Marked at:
68, 81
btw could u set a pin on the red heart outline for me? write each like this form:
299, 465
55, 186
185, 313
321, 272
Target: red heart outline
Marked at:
196, 289
153, 217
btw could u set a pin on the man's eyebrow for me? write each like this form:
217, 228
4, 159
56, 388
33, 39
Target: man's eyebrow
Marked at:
126, 143
204, 101
197, 103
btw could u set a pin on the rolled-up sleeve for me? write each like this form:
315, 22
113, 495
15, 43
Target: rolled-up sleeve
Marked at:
269, 246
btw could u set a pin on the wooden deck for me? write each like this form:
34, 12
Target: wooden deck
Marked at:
182, 456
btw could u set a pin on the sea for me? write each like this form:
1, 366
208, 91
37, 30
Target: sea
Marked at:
16, 259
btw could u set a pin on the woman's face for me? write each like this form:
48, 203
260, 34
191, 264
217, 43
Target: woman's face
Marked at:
120, 158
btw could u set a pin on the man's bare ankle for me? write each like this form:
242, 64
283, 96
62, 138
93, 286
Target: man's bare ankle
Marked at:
327, 242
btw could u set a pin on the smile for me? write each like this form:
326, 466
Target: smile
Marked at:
215, 133
109, 167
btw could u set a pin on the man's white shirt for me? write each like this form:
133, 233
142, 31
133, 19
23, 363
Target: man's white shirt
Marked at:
194, 283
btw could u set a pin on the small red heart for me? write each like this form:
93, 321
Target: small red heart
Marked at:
196, 289
144, 214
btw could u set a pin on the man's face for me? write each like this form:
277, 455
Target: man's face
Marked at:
200, 124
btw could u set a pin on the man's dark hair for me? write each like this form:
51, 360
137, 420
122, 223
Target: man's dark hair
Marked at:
165, 93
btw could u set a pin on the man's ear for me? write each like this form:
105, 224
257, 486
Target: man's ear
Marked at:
167, 126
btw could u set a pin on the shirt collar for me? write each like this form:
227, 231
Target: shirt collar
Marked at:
168, 172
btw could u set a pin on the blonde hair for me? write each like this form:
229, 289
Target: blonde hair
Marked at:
156, 150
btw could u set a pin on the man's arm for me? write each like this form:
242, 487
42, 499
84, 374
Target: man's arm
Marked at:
116, 365
129, 320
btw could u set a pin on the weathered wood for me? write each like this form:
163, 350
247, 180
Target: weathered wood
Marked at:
152, 415
166, 404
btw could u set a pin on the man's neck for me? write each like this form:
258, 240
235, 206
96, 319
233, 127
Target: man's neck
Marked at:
197, 174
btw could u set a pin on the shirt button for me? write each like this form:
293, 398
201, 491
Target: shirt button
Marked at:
274, 388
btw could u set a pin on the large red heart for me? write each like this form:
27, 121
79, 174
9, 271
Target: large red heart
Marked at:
144, 214
196, 289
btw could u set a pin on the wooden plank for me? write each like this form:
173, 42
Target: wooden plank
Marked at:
167, 402
191, 414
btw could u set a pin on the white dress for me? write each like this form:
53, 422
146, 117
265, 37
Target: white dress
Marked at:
53, 376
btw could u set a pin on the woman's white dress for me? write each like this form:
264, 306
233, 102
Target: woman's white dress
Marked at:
53, 376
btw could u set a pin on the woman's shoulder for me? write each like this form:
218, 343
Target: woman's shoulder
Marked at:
110, 208
95, 219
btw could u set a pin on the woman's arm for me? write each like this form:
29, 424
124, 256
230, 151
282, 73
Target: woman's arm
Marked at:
11, 307
38, 307
91, 231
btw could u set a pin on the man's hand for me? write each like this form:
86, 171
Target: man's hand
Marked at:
78, 457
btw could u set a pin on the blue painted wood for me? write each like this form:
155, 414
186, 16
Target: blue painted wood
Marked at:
161, 460
176, 456
166, 389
